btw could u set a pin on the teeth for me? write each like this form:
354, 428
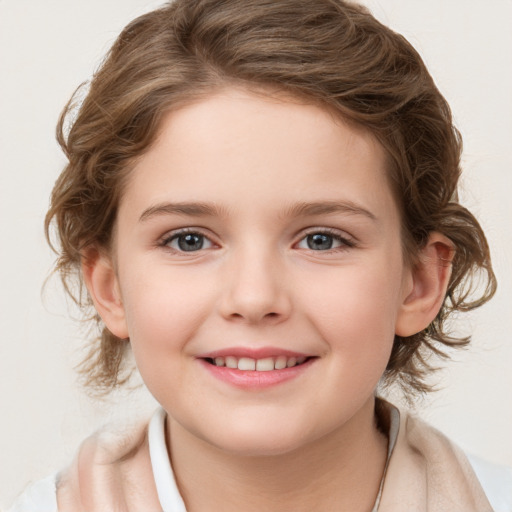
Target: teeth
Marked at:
291, 362
280, 362
261, 365
264, 365
231, 362
246, 363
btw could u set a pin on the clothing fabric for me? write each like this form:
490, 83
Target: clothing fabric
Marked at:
129, 469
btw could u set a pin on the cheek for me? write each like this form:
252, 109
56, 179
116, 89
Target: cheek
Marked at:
163, 312
355, 310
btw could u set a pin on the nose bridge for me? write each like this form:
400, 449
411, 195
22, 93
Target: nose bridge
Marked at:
255, 284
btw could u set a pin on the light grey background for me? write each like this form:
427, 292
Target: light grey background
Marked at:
47, 48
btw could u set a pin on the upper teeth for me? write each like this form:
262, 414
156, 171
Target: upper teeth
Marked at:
261, 365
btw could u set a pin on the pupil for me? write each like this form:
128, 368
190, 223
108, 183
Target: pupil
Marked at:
319, 241
190, 242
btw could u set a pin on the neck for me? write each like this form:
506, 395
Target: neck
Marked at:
340, 471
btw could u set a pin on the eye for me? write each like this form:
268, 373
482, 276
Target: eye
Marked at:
187, 242
324, 241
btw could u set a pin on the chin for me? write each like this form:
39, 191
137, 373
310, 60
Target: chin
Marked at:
251, 439
255, 446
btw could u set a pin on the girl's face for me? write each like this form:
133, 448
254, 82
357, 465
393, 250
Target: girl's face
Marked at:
262, 234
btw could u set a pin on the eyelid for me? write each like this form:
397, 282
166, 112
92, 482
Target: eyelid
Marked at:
345, 238
165, 239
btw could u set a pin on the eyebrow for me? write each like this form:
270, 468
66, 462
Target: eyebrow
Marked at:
302, 209
328, 207
189, 209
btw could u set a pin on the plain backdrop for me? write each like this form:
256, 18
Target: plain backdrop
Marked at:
49, 47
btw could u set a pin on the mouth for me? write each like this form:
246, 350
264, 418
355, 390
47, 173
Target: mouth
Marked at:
266, 364
265, 369
251, 368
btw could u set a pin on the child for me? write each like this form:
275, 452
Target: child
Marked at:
262, 204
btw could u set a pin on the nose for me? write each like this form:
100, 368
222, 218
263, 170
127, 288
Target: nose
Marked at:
254, 289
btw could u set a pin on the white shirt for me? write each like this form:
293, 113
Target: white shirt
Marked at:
496, 480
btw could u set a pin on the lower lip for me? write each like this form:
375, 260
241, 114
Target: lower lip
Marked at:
252, 379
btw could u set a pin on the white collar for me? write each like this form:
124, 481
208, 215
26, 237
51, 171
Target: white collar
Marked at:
166, 487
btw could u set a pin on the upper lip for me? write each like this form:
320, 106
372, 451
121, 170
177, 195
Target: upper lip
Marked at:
252, 352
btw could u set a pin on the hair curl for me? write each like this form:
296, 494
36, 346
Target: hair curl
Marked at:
329, 51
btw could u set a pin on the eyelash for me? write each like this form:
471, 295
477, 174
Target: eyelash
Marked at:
175, 235
345, 242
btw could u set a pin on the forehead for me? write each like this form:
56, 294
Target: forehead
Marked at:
246, 150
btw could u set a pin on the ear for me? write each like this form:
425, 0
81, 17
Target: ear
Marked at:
102, 283
426, 286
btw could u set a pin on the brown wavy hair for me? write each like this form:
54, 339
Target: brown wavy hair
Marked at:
330, 52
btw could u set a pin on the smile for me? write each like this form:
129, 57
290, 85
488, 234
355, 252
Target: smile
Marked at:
256, 369
260, 365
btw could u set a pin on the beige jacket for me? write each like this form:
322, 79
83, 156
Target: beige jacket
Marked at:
425, 473
428, 473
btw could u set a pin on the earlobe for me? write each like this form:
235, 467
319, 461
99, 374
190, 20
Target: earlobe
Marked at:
429, 281
103, 286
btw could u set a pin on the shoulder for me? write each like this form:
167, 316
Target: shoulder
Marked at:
113, 454
38, 497
427, 471
494, 479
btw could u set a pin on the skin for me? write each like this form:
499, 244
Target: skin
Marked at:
257, 282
